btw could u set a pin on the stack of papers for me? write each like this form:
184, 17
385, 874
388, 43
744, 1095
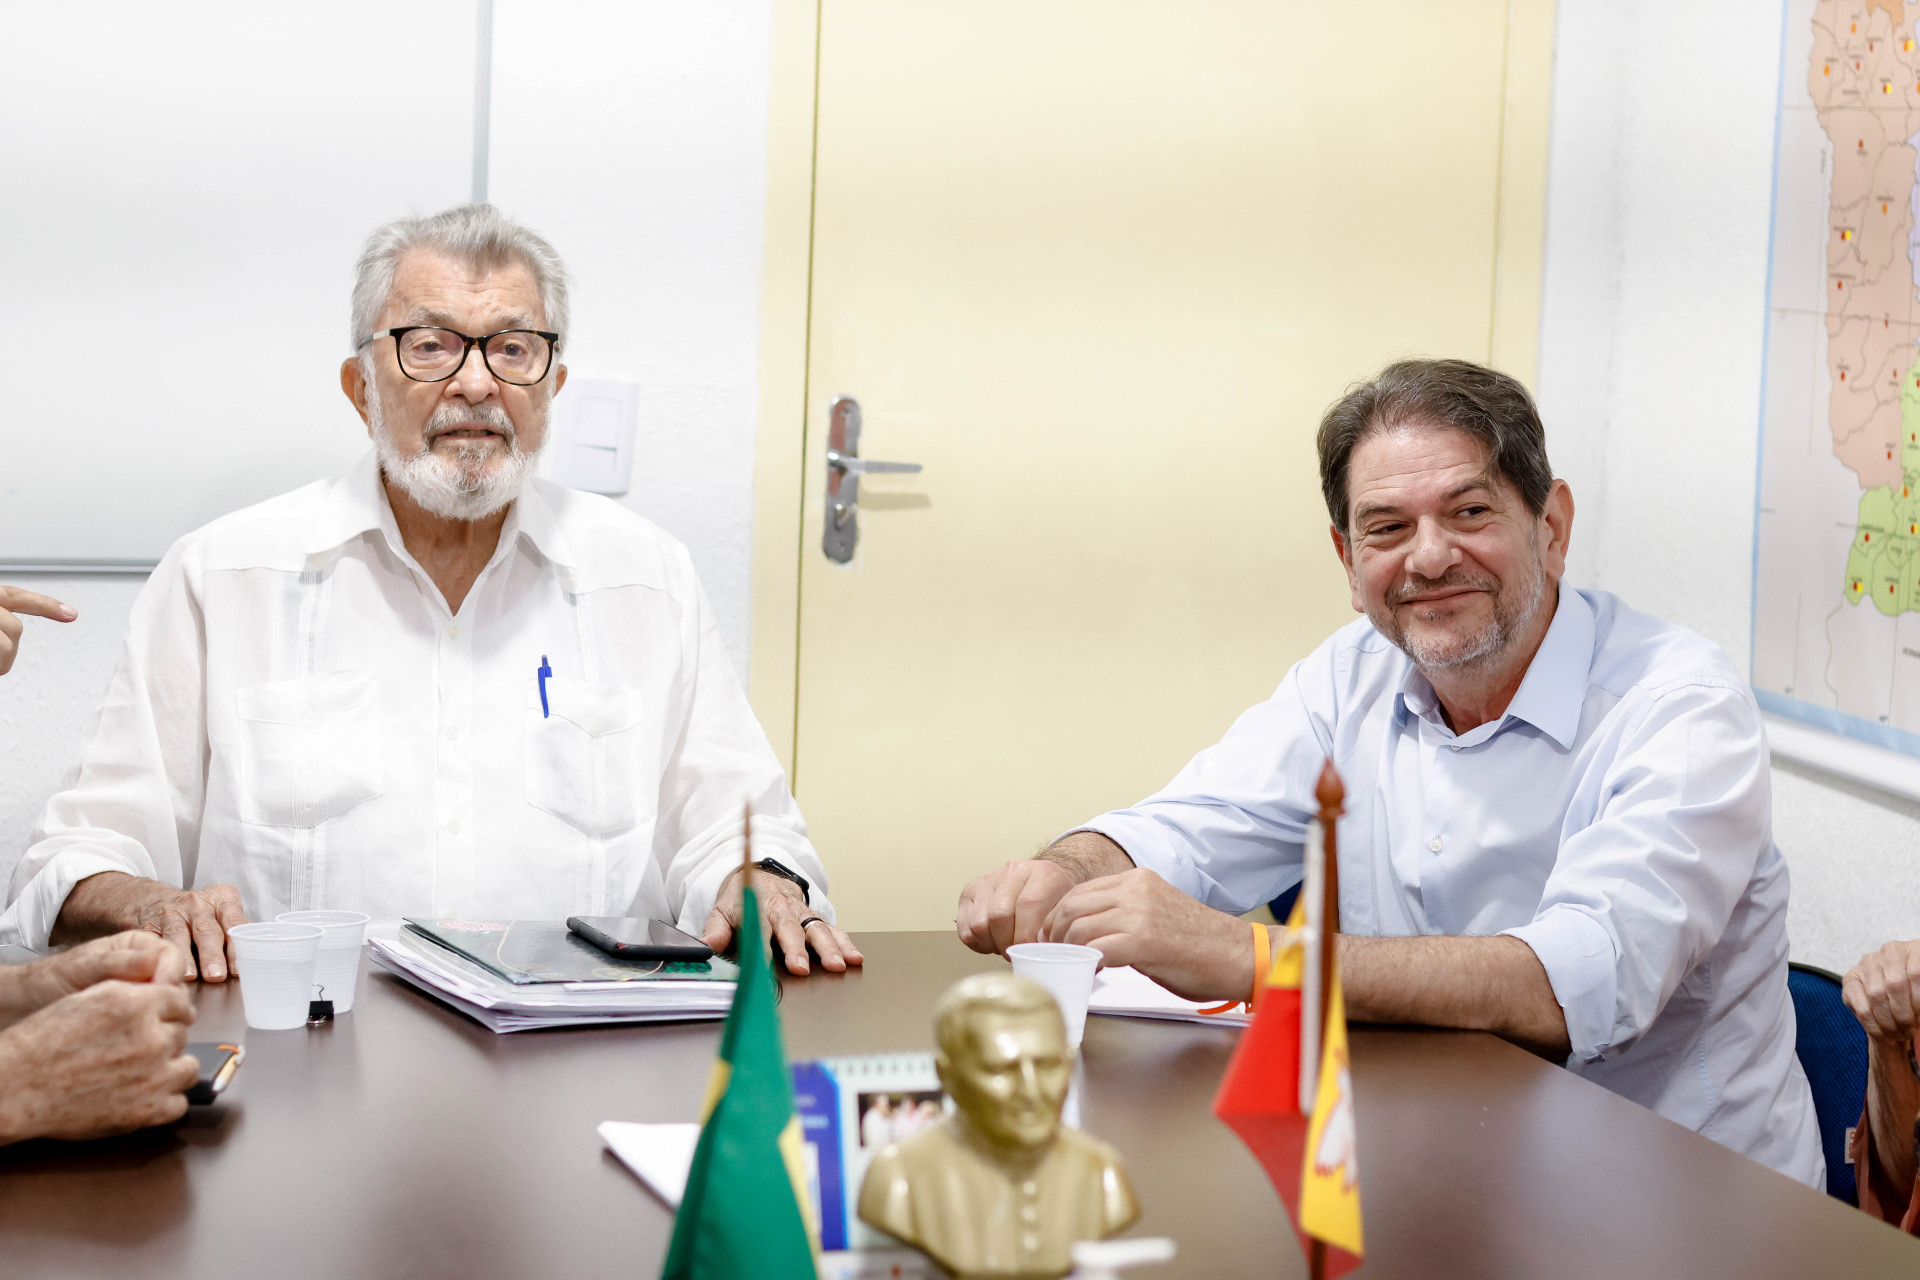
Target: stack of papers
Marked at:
506, 1006
1128, 993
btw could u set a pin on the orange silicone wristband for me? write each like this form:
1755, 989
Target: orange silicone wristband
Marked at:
1262, 961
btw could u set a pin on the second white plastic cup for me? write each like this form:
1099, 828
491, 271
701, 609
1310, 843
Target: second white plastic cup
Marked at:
337, 970
1064, 969
276, 972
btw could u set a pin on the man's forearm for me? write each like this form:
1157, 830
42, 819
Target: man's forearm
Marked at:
1087, 855
101, 904
1477, 984
1893, 1114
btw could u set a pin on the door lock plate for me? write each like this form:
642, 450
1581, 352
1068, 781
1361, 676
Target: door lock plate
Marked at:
845, 466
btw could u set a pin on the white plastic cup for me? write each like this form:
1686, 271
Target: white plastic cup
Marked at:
1065, 970
276, 972
337, 971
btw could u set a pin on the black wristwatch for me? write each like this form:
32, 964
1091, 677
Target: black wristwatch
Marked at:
773, 868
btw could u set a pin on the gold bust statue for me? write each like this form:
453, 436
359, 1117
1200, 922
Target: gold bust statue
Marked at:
998, 1188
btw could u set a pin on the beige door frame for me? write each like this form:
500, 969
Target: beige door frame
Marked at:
786, 289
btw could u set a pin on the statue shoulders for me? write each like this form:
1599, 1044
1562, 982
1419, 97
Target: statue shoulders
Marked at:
1094, 1160
937, 1146
930, 1158
886, 1193
1080, 1147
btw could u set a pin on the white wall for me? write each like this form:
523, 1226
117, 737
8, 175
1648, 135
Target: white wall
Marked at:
47, 702
1660, 185
634, 137
186, 188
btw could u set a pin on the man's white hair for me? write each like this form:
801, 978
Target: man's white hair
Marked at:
475, 234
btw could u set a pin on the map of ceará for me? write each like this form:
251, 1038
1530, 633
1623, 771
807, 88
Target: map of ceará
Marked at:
1836, 619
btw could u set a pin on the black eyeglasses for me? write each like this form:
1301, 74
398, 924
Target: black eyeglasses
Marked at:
518, 357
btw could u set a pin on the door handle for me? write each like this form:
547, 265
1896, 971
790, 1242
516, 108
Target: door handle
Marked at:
845, 466
865, 467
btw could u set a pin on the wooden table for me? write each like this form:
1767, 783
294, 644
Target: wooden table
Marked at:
404, 1140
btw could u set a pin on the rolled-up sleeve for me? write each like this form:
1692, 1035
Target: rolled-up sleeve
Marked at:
722, 764
133, 802
1229, 830
1639, 897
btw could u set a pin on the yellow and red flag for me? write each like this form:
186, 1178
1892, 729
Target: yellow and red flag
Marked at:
1304, 1137
1330, 1168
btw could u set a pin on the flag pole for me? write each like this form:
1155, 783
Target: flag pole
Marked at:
1330, 794
746, 849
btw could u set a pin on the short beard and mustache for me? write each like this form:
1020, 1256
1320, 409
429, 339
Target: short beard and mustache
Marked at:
474, 481
1446, 653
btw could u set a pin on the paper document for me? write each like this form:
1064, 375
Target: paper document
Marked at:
660, 1156
503, 1006
1128, 993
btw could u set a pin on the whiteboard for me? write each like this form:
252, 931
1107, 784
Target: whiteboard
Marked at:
186, 188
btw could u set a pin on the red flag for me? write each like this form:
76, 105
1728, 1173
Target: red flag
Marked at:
1259, 1098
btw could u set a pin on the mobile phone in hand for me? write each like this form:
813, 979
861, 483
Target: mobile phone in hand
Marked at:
218, 1062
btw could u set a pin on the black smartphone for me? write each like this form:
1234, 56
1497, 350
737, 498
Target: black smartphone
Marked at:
218, 1062
632, 939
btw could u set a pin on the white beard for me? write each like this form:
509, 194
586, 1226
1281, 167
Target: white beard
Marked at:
470, 483
1431, 653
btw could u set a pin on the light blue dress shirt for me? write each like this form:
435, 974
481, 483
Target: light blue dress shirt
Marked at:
1617, 819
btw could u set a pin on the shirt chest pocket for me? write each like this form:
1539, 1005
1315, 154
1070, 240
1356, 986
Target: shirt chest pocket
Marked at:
583, 755
309, 749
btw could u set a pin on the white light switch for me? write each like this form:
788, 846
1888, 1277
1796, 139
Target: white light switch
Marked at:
594, 420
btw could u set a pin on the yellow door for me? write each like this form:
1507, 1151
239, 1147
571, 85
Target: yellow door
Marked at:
1099, 267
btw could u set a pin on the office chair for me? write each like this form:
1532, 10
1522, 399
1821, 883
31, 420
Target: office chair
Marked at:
1833, 1052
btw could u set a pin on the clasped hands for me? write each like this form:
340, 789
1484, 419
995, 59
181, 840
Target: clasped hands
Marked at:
94, 1040
1132, 915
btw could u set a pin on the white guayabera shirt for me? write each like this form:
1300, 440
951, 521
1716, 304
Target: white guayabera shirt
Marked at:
1617, 819
296, 713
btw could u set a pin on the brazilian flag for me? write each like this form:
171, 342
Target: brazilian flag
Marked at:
746, 1212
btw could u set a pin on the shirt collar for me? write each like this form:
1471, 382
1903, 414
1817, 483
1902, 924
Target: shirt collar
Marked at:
1554, 689
357, 503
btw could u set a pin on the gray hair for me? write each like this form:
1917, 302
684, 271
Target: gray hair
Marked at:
476, 234
1488, 405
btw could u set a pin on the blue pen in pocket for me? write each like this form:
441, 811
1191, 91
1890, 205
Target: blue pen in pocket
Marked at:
545, 671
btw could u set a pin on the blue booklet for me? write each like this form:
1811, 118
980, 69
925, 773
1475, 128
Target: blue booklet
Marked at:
849, 1108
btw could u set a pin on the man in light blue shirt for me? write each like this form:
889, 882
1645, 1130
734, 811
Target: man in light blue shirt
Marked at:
1558, 810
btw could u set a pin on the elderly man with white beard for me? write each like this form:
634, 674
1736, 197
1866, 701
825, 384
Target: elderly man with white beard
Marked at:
432, 686
1558, 825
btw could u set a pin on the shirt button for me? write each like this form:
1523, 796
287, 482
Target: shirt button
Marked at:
1030, 1242
1453, 746
1029, 1214
453, 735
1434, 844
453, 633
454, 826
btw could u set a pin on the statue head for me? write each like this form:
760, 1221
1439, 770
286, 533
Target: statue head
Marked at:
1003, 1058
